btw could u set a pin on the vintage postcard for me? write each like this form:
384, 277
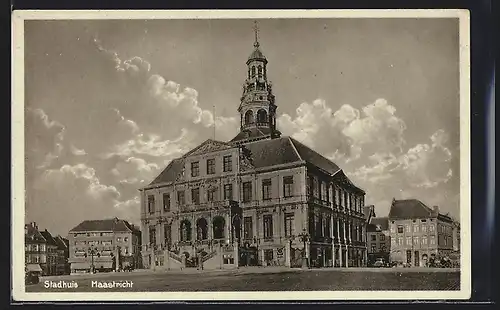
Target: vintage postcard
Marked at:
240, 155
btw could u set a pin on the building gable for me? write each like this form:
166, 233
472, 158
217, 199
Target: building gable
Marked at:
208, 146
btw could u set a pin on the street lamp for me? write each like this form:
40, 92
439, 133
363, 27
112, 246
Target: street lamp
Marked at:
92, 252
304, 237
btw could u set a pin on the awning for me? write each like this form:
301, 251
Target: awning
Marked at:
80, 265
33, 268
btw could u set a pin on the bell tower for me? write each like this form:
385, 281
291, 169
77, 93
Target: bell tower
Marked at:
257, 107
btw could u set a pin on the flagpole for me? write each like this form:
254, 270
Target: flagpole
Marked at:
214, 121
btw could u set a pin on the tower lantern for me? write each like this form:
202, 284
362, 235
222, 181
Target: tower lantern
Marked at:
257, 108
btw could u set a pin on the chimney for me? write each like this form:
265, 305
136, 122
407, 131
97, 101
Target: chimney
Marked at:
34, 225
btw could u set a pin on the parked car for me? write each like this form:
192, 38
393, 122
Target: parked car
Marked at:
379, 263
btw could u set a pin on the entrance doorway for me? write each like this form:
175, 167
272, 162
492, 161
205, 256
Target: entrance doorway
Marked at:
248, 256
408, 256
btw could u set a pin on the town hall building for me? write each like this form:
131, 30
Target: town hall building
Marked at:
259, 199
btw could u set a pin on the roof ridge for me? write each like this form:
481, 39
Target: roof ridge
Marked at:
294, 147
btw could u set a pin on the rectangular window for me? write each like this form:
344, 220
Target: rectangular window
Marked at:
247, 227
151, 204
424, 228
400, 229
383, 248
337, 196
415, 228
211, 166
415, 240
212, 194
166, 202
288, 186
266, 189
432, 227
408, 228
268, 226
152, 235
195, 169
228, 163
289, 227
268, 255
374, 248
195, 196
228, 191
424, 240
309, 185
408, 240
373, 237
247, 191
433, 240
382, 237
181, 199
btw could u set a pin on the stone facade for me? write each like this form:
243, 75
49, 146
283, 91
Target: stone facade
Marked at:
416, 239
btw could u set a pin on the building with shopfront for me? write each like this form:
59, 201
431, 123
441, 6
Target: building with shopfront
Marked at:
418, 233
378, 240
259, 199
35, 250
103, 245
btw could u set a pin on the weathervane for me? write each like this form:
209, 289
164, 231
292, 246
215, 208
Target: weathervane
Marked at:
256, 29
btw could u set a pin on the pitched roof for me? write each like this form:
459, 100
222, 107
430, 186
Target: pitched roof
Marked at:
263, 153
33, 234
369, 212
380, 223
314, 158
272, 152
252, 133
170, 173
48, 237
61, 243
410, 209
114, 225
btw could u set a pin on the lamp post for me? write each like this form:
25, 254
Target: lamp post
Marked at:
304, 237
92, 251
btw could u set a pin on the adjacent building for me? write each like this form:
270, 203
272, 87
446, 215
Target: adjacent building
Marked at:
44, 253
62, 263
103, 245
35, 249
51, 247
418, 233
378, 239
259, 199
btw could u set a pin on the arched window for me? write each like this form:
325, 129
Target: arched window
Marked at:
185, 230
218, 224
262, 116
202, 229
253, 71
259, 70
249, 117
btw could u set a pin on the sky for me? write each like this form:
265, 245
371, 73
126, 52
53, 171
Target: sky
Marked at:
109, 103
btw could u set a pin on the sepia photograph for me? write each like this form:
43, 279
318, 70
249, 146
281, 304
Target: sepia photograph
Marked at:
241, 155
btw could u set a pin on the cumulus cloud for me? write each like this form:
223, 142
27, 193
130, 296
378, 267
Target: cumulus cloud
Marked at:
44, 139
369, 145
62, 198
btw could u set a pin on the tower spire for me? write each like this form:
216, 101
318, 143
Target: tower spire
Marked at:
256, 30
